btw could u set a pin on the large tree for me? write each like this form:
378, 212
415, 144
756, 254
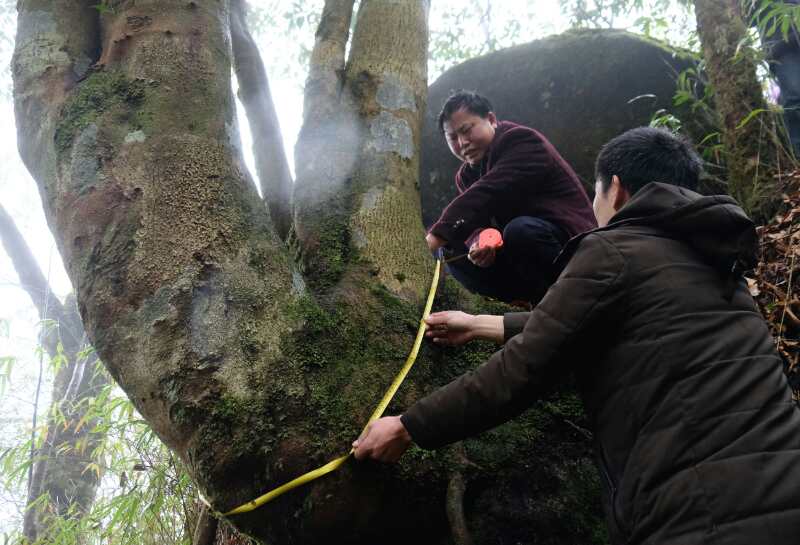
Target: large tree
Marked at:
253, 358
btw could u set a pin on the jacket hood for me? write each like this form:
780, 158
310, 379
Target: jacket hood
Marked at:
715, 226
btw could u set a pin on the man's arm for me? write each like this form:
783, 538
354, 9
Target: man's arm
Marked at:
453, 327
526, 366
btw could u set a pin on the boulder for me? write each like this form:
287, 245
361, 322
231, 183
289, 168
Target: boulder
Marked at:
580, 89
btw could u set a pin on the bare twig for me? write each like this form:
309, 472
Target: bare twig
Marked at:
31, 278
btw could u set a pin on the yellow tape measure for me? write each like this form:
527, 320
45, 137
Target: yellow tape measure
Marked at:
334, 464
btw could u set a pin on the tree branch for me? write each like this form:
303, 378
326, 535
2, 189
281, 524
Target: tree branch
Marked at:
324, 82
270, 157
56, 44
31, 277
326, 152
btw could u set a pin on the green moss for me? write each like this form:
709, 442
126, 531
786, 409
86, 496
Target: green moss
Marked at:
327, 262
103, 92
349, 354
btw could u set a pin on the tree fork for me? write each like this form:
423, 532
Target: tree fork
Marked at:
191, 299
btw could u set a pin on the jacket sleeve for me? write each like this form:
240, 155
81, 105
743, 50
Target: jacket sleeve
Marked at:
528, 364
514, 323
521, 159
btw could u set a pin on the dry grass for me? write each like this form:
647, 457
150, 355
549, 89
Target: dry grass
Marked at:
776, 286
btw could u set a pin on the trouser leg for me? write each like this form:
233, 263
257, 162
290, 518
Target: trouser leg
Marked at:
523, 268
531, 245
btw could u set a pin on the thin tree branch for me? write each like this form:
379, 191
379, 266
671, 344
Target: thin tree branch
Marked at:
31, 277
270, 157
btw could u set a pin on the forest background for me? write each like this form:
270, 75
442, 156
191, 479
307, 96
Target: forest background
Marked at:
144, 494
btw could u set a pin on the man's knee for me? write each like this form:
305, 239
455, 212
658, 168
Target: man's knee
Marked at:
525, 231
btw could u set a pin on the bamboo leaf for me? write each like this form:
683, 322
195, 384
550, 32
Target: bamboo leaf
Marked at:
750, 116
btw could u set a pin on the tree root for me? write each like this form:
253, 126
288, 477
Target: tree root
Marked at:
205, 533
454, 503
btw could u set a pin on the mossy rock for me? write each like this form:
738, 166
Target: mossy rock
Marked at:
580, 89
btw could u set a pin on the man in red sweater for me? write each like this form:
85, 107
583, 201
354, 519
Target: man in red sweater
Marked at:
514, 180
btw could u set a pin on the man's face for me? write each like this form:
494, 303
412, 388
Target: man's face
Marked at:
469, 135
603, 204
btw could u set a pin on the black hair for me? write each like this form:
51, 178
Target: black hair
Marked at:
646, 154
464, 100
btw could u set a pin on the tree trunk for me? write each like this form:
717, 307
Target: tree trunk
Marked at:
752, 154
60, 468
254, 367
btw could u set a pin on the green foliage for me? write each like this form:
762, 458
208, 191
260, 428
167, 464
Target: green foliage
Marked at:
285, 31
474, 28
146, 496
771, 17
104, 7
6, 366
669, 20
6, 362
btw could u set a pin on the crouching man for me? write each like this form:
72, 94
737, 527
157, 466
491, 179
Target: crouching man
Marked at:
514, 180
695, 427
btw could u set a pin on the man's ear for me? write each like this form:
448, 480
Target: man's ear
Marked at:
621, 195
492, 119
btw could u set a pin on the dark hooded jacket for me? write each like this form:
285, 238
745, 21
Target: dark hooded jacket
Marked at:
522, 174
697, 435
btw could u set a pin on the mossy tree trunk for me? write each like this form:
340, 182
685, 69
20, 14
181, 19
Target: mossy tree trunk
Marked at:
61, 466
751, 150
257, 361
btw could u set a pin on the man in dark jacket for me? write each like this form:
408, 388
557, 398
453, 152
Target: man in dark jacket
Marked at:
696, 431
514, 180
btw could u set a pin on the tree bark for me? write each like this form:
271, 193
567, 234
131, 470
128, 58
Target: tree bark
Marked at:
326, 153
751, 152
251, 370
270, 158
60, 464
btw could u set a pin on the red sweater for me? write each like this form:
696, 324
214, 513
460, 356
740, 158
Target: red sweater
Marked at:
522, 174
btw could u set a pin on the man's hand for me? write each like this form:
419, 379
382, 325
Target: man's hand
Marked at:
482, 257
434, 242
450, 327
385, 440
454, 328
